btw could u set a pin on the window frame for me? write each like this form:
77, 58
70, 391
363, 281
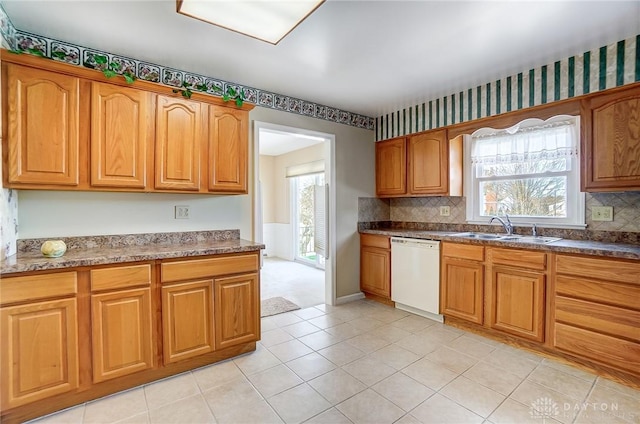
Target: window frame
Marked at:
575, 198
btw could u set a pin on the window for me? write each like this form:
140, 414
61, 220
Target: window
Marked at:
529, 171
308, 204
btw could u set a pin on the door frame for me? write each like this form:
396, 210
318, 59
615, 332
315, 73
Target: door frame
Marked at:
330, 178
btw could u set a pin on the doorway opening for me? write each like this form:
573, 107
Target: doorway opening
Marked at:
293, 212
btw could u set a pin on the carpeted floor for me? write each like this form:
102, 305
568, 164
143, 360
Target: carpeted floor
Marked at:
301, 284
276, 305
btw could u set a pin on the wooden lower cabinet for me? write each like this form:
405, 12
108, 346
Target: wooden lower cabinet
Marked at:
74, 336
121, 333
462, 282
235, 312
516, 287
38, 337
517, 302
187, 320
39, 351
596, 310
499, 288
375, 266
121, 320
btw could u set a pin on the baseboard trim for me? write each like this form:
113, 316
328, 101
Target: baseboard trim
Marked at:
349, 298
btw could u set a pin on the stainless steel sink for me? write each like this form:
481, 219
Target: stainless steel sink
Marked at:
506, 237
538, 239
479, 236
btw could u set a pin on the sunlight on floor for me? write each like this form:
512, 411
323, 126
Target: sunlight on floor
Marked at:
301, 284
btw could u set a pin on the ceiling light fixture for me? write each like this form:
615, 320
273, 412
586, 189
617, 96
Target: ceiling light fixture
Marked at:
266, 20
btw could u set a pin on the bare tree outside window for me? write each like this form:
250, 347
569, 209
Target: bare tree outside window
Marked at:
305, 217
525, 196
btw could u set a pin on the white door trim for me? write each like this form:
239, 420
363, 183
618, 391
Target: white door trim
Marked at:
330, 178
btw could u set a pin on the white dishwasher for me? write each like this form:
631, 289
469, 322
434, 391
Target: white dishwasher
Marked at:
415, 276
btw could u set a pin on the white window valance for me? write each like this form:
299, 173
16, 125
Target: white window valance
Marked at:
534, 143
308, 168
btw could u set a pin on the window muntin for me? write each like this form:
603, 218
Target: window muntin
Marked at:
529, 171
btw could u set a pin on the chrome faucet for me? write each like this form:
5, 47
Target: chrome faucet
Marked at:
508, 226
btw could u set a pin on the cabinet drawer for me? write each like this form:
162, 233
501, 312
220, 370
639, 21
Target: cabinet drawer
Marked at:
120, 277
373, 240
621, 354
519, 258
602, 318
33, 287
624, 295
211, 267
604, 269
463, 251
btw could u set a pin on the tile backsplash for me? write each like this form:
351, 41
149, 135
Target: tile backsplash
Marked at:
372, 209
427, 209
626, 210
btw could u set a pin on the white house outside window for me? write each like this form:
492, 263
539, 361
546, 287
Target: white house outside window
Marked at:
529, 171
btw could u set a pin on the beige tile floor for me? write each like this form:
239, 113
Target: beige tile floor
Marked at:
363, 362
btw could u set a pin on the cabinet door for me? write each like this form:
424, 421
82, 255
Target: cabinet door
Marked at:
43, 127
375, 271
517, 302
611, 142
179, 137
462, 289
428, 159
391, 167
228, 149
236, 310
122, 122
39, 350
121, 332
187, 320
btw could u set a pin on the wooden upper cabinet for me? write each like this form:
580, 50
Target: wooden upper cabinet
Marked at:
424, 164
391, 167
43, 127
428, 163
180, 128
435, 164
611, 142
122, 121
228, 149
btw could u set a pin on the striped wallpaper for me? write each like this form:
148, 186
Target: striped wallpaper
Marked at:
599, 69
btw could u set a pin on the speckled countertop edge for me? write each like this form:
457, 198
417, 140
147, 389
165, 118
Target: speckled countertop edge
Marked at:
34, 261
612, 250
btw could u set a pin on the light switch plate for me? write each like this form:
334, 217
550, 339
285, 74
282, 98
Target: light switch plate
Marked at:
602, 213
445, 211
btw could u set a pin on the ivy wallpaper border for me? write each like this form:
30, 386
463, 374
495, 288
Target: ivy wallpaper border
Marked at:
84, 56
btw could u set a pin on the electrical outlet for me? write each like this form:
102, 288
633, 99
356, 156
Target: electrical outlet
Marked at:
182, 212
445, 211
602, 213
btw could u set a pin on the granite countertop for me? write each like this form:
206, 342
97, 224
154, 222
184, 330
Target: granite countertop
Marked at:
136, 248
585, 247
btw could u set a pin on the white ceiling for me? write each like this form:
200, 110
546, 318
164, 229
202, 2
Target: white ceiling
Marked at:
276, 143
367, 57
